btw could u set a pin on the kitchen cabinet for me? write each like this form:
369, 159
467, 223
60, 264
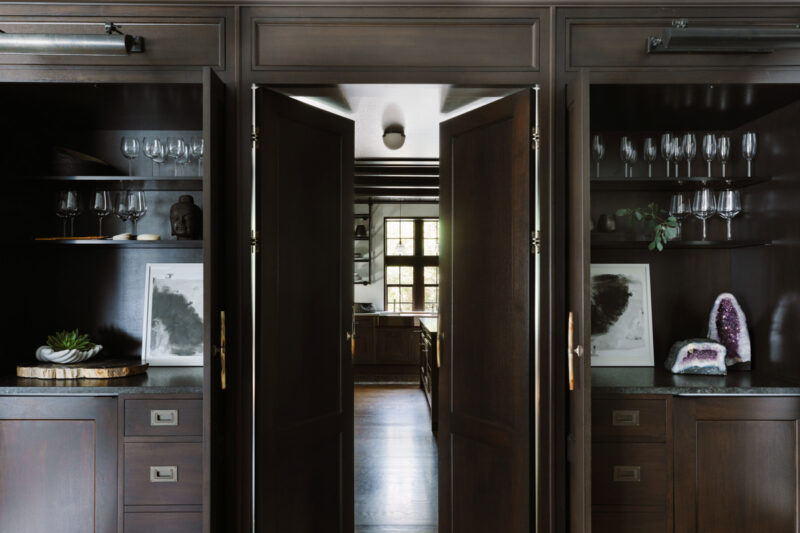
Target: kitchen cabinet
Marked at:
364, 350
429, 367
387, 345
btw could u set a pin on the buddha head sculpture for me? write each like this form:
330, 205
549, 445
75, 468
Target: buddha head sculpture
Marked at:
186, 219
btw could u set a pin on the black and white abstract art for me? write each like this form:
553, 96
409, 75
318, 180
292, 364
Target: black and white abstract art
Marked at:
173, 315
622, 320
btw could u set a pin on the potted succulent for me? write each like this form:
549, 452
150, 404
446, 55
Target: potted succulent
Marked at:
68, 347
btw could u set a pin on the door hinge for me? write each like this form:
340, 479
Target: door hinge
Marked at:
536, 139
255, 136
536, 242
255, 241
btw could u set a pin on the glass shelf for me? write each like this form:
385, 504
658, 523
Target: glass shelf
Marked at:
610, 244
673, 184
165, 244
160, 183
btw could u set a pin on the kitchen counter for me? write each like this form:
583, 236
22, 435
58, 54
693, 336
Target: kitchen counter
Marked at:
649, 380
157, 380
390, 313
430, 323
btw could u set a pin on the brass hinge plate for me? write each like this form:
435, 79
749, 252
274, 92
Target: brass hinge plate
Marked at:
536, 242
536, 139
255, 241
255, 136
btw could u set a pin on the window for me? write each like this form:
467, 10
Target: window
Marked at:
412, 264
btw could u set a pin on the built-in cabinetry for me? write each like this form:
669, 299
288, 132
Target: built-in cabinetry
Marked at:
386, 345
429, 366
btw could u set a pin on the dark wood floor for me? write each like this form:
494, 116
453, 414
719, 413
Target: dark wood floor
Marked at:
395, 461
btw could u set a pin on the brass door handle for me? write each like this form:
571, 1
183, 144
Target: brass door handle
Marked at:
570, 363
221, 350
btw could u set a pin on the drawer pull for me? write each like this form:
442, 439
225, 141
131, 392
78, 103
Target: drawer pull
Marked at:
624, 418
163, 474
627, 473
163, 417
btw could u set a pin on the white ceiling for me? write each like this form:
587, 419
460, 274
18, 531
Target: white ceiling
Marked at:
418, 108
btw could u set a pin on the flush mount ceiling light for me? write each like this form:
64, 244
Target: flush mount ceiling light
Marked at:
394, 137
111, 43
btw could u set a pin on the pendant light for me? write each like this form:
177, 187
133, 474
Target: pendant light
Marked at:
400, 249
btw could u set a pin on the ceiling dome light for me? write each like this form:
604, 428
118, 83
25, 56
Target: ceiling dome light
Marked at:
394, 137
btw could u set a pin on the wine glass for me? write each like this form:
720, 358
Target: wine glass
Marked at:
121, 209
689, 147
153, 149
625, 153
666, 149
63, 210
634, 158
197, 145
680, 209
677, 153
175, 149
130, 149
137, 207
101, 206
649, 152
749, 149
598, 151
704, 205
709, 149
724, 151
729, 205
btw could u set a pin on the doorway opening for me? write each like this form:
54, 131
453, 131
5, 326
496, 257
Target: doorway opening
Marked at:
389, 389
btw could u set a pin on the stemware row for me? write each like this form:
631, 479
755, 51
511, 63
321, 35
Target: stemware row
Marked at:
126, 205
159, 151
727, 204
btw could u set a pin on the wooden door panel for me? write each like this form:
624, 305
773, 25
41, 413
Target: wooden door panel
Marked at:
484, 407
304, 401
578, 260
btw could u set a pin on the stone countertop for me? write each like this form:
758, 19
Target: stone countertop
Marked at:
392, 313
430, 323
649, 380
157, 380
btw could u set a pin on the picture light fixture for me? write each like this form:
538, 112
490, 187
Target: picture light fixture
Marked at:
111, 43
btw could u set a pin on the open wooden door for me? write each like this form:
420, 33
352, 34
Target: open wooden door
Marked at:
485, 376
304, 317
578, 323
214, 277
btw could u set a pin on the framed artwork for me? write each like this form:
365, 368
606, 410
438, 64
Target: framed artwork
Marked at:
622, 317
173, 315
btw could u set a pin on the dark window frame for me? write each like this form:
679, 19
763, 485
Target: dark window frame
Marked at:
418, 261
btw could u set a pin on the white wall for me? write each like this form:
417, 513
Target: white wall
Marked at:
374, 292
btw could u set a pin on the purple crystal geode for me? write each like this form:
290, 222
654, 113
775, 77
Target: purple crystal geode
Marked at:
697, 356
728, 325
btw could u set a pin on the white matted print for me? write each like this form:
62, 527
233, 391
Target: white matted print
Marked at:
622, 317
173, 315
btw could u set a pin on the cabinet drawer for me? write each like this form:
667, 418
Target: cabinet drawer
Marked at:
163, 417
619, 39
629, 474
629, 420
172, 36
163, 473
163, 522
628, 521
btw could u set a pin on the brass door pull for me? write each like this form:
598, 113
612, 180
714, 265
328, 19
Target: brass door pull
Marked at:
627, 473
621, 417
570, 363
163, 474
221, 350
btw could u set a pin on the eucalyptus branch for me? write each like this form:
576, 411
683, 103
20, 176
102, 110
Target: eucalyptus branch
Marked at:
665, 227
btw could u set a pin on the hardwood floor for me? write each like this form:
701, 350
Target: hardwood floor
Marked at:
395, 461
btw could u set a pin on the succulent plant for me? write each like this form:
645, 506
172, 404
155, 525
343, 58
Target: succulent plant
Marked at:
69, 340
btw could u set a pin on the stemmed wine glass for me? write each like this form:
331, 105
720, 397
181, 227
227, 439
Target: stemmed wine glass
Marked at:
598, 152
101, 206
709, 149
649, 152
677, 153
154, 150
67, 202
625, 153
680, 209
198, 145
634, 158
749, 149
183, 159
689, 146
121, 209
704, 205
724, 151
666, 149
729, 205
130, 149
137, 207
175, 149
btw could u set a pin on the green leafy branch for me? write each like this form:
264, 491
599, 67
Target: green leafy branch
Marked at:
70, 340
665, 227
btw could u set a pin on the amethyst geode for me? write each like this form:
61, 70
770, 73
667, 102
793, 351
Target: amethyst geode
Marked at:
728, 325
697, 356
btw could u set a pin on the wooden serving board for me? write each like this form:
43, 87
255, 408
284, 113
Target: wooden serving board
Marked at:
86, 370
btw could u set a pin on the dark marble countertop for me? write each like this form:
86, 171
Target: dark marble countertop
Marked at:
430, 323
649, 380
157, 380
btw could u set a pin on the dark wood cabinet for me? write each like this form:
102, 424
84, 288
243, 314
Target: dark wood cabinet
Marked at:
386, 345
429, 367
364, 350
58, 464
